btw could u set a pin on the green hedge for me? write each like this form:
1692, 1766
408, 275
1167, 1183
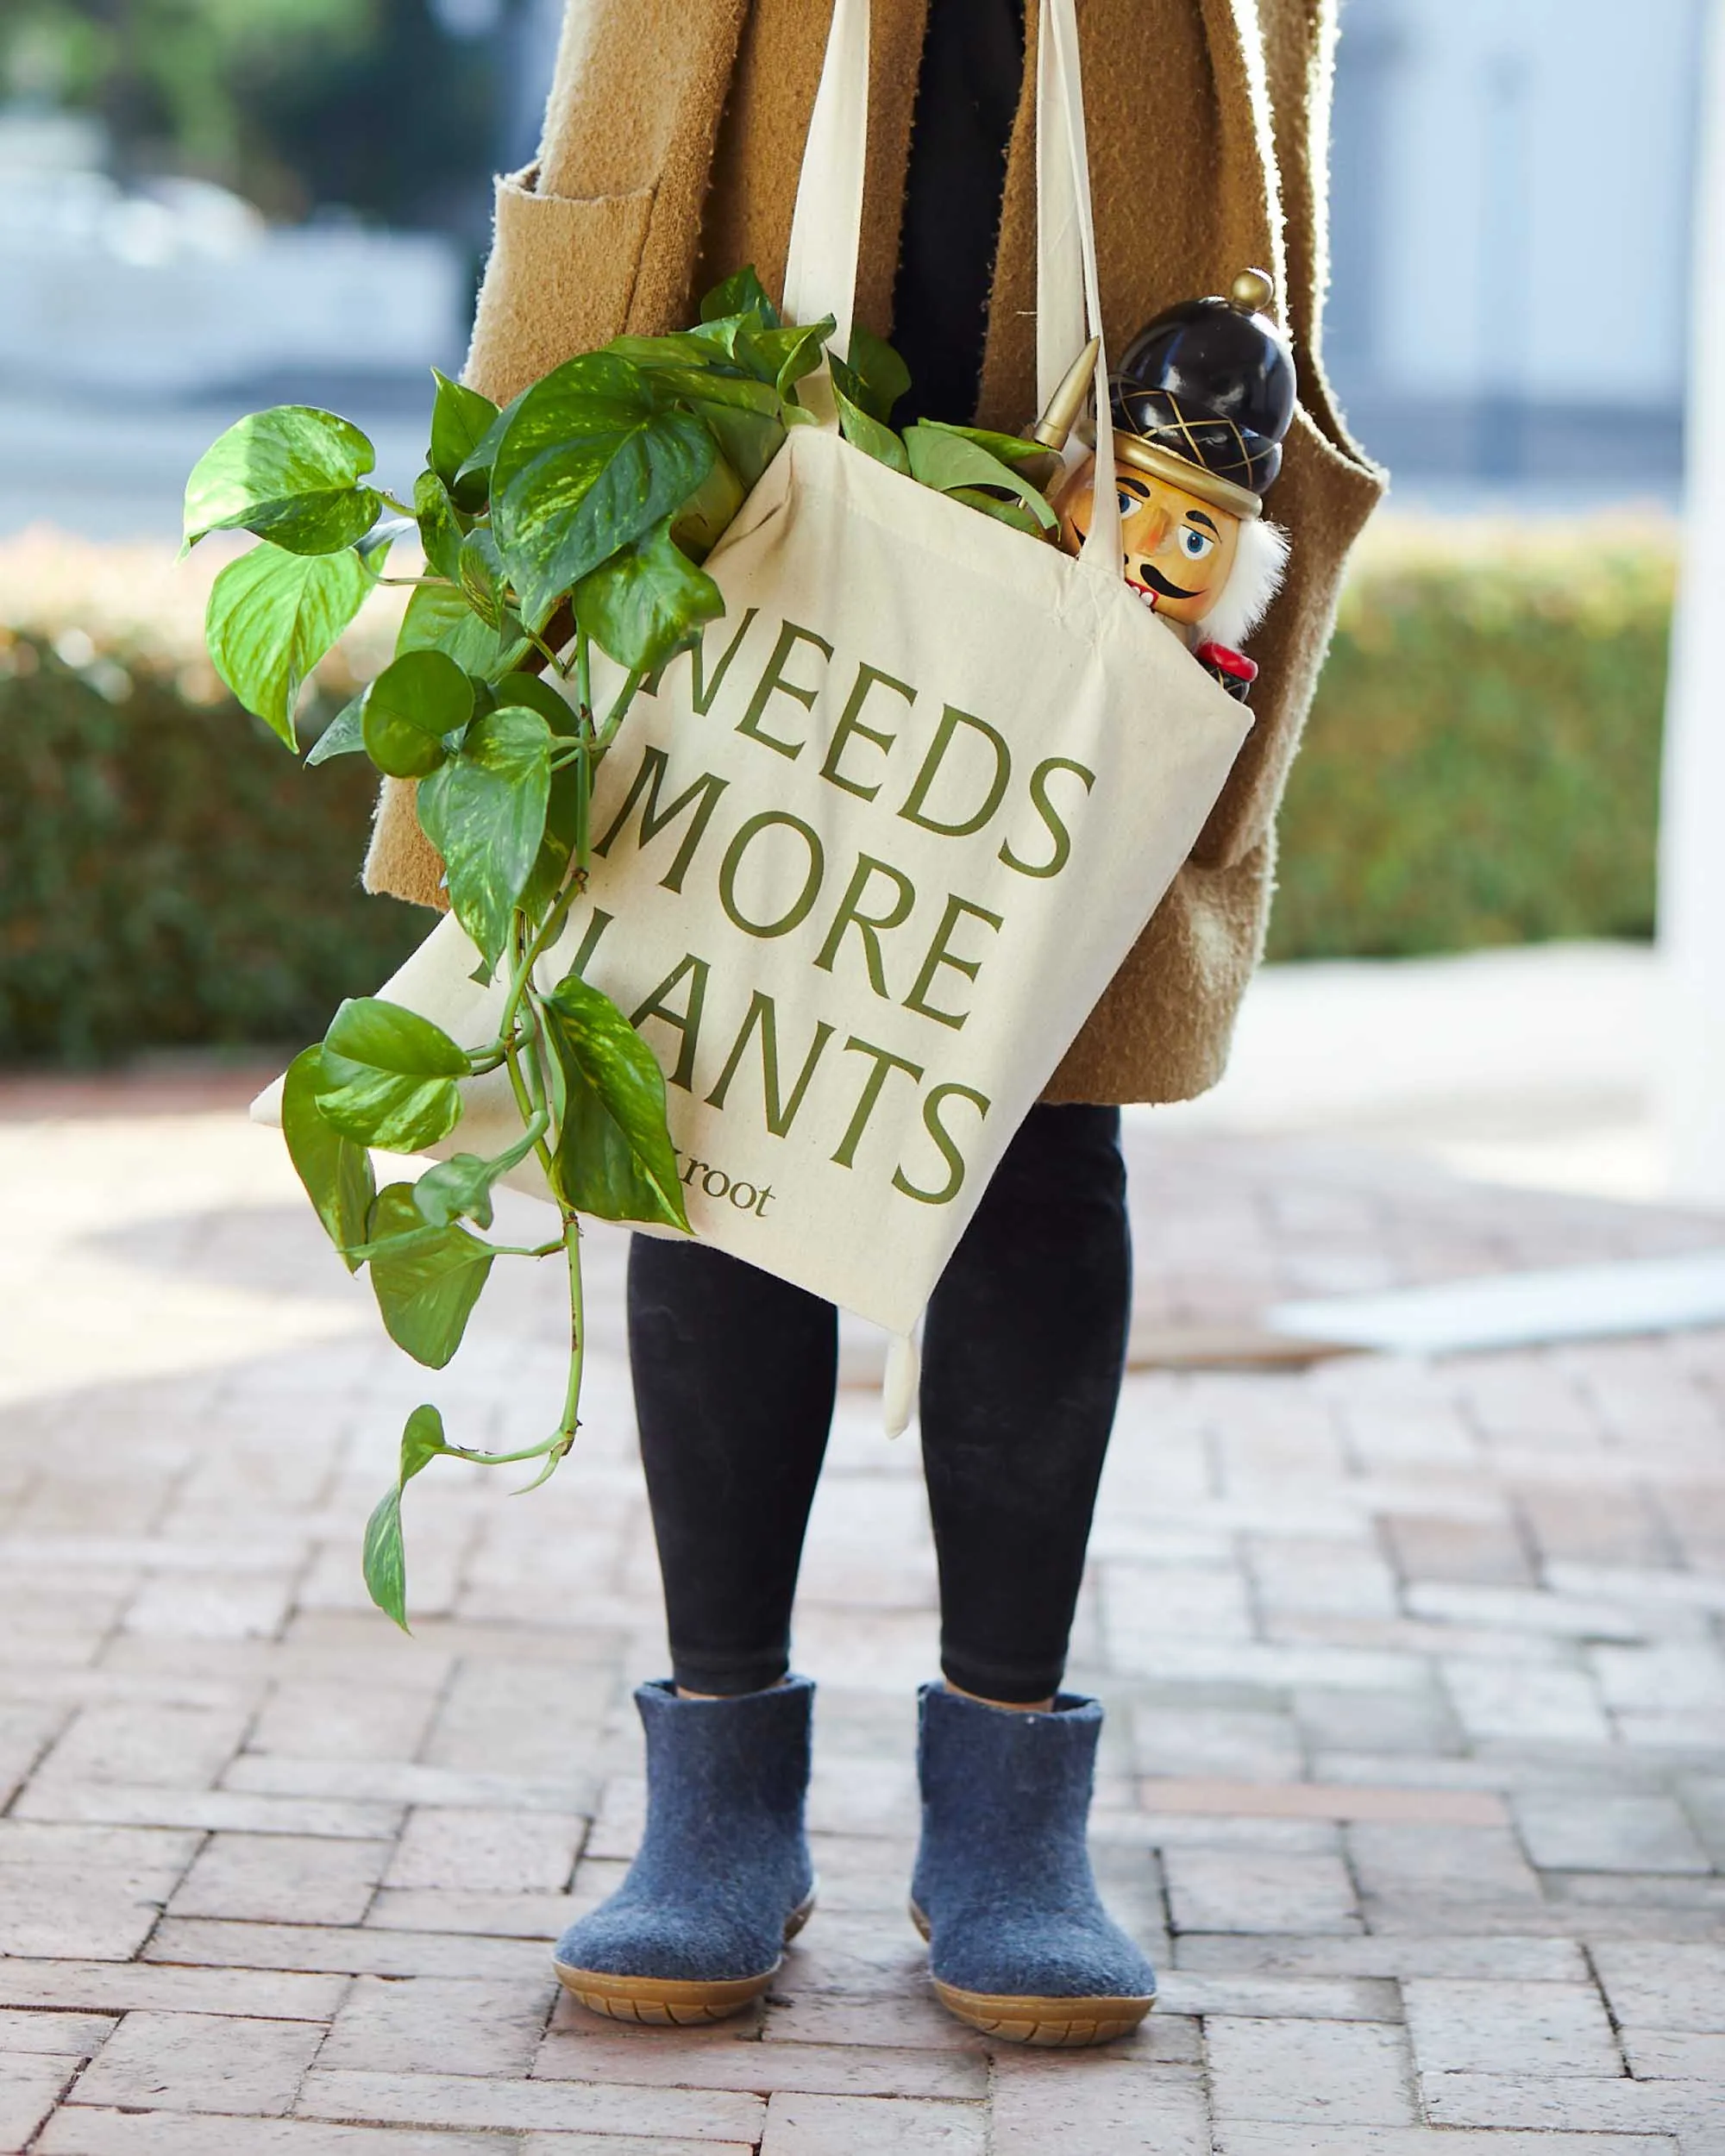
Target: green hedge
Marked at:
1481, 767
168, 874
1482, 762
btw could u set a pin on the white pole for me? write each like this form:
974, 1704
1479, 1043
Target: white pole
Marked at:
1692, 816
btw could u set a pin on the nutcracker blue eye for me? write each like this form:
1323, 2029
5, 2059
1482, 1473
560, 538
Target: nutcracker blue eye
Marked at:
1194, 545
1130, 503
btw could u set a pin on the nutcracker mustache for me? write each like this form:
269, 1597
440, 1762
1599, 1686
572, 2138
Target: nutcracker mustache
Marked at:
1254, 581
1147, 579
1153, 577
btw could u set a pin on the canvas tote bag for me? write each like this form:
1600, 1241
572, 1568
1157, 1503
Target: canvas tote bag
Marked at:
869, 855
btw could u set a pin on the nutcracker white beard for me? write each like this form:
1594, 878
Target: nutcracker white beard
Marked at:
1254, 580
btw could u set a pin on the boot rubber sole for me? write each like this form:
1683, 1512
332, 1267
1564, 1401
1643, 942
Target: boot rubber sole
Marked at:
1070, 2024
672, 2001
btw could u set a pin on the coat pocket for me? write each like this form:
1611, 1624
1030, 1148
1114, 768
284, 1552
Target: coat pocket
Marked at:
559, 281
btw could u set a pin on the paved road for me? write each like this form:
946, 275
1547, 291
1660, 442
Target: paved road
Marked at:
1415, 1770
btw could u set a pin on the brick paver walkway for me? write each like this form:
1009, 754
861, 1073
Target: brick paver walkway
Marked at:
1416, 1768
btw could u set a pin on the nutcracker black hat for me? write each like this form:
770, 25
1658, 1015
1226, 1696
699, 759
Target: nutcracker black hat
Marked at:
1204, 394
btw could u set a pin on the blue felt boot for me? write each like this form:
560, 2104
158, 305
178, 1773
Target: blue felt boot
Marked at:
1020, 1944
722, 1879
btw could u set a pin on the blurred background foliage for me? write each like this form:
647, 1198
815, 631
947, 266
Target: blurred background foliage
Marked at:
385, 108
169, 876
1482, 764
1481, 767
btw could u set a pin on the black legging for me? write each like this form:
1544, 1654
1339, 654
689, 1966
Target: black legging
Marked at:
735, 1376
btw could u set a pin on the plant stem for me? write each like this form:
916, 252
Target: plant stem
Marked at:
583, 675
402, 509
549, 929
545, 651
507, 1459
618, 712
581, 855
530, 1087
556, 1448
485, 1060
525, 949
577, 1328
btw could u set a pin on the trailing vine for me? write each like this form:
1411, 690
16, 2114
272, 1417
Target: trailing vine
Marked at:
577, 515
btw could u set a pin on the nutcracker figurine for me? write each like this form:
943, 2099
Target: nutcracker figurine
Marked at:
1201, 400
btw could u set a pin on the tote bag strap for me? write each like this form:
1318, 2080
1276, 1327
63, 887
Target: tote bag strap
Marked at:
826, 230
1068, 298
826, 227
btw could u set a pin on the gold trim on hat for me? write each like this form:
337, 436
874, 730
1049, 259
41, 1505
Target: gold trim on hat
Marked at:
1193, 478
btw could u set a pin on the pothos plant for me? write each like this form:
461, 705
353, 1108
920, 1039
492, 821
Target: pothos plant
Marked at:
576, 515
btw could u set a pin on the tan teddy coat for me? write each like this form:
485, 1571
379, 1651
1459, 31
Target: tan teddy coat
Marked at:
672, 144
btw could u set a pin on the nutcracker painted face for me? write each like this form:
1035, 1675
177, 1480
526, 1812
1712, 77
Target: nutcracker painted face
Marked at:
1201, 401
1180, 550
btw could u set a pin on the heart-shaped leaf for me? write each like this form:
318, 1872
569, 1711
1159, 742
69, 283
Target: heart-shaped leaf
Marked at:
367, 1030
706, 348
741, 293
343, 737
782, 357
336, 1172
538, 693
410, 707
593, 457
563, 816
380, 538
425, 1287
945, 460
707, 385
1013, 513
479, 572
440, 620
860, 426
389, 1076
747, 440
384, 1558
421, 1442
459, 1188
701, 522
882, 376
647, 602
614, 1156
439, 532
292, 475
471, 486
726, 345
271, 617
1016, 450
485, 813
460, 418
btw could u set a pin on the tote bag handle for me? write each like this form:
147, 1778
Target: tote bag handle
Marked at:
826, 230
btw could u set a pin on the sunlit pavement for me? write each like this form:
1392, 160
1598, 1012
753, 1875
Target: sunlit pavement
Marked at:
1416, 1771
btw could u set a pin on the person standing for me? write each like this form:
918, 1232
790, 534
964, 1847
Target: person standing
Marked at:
674, 137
